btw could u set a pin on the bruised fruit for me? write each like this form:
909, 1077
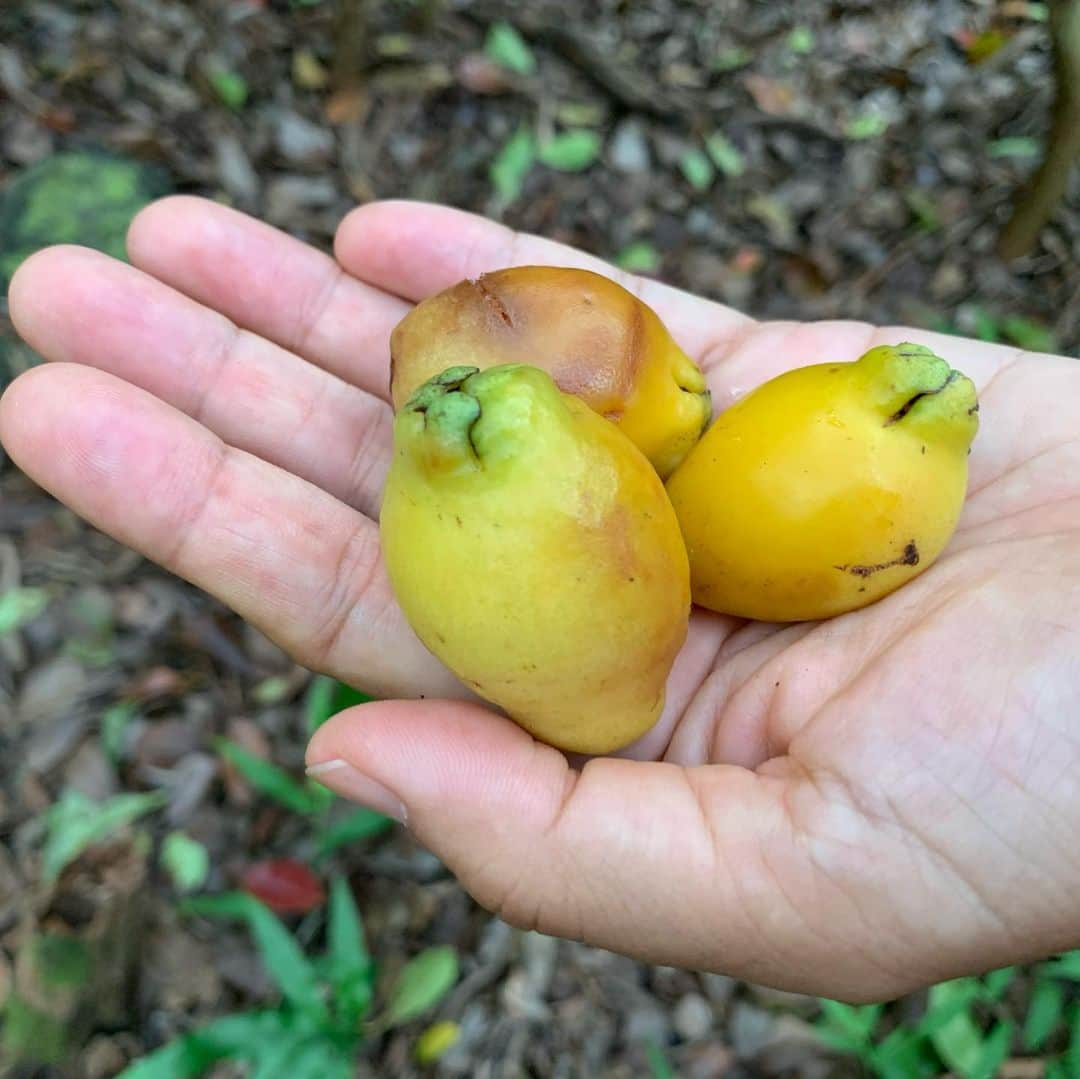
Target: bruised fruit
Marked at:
534, 551
827, 487
597, 340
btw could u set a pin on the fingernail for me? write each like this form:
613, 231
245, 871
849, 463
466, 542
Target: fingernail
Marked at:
342, 778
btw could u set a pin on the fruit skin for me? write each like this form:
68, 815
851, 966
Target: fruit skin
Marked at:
827, 487
534, 551
596, 339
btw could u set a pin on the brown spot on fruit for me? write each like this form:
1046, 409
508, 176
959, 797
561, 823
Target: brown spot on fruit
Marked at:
910, 557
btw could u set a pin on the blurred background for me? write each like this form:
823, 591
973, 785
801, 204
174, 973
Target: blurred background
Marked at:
168, 880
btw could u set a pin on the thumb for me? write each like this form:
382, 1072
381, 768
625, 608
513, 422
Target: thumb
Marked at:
690, 867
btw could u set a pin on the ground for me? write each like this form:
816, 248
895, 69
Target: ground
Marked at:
823, 159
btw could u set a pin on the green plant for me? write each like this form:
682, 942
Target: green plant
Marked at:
320, 1022
85, 197
325, 697
965, 1029
75, 822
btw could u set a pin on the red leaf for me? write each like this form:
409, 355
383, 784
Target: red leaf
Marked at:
285, 885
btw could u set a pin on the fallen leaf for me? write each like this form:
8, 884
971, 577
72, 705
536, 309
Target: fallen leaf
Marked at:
285, 885
771, 95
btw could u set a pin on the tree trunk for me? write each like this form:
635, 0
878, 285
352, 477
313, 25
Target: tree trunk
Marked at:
1037, 200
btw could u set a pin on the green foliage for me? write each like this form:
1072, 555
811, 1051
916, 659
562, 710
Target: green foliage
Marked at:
866, 125
965, 1030
732, 58
84, 197
114, 724
638, 257
274, 782
422, 983
1015, 146
317, 1028
1018, 330
359, 825
186, 861
697, 169
325, 698
230, 87
659, 1068
725, 154
507, 48
19, 606
801, 40
512, 164
30, 1034
570, 151
74, 822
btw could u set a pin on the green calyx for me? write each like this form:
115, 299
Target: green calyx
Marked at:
915, 390
465, 419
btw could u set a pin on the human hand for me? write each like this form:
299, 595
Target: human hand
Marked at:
852, 808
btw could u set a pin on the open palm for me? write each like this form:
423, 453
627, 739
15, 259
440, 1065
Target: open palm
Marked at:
854, 807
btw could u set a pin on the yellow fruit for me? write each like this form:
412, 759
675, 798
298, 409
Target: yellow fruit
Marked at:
534, 551
827, 487
597, 340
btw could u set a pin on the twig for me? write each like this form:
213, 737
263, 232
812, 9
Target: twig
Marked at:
1037, 200
628, 88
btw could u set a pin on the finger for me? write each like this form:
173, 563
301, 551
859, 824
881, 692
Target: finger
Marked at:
79, 306
270, 283
702, 868
297, 563
415, 249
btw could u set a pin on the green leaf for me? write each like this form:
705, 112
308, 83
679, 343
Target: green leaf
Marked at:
19, 606
60, 960
801, 40
272, 690
325, 698
698, 169
1015, 146
31, 1035
725, 154
74, 823
231, 1036
317, 1058
1065, 966
349, 966
986, 326
269, 779
638, 257
355, 828
659, 1068
571, 151
285, 962
115, 721
186, 861
922, 206
229, 86
997, 981
422, 983
1044, 1014
854, 1022
512, 164
948, 1000
903, 1054
867, 125
1028, 334
507, 47
732, 58
994, 1052
956, 1037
